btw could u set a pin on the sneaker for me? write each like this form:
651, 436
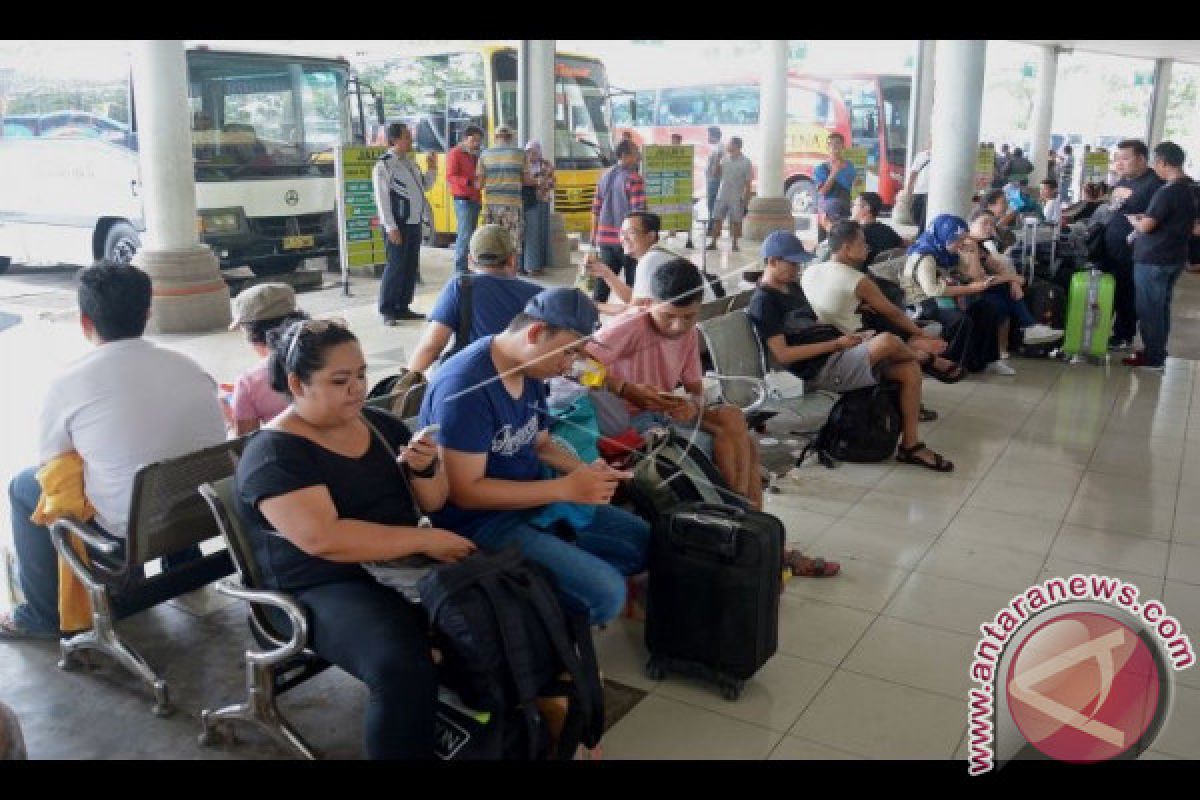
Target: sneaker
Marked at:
1041, 334
1000, 368
1138, 359
1119, 344
391, 322
408, 315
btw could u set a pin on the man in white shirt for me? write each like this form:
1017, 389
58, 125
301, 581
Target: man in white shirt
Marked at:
400, 188
125, 404
1051, 202
639, 240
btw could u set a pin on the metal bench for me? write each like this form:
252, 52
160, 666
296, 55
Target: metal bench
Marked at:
165, 518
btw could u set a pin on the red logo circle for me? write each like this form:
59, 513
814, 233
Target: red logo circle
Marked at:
1083, 687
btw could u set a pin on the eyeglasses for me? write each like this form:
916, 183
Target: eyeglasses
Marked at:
317, 326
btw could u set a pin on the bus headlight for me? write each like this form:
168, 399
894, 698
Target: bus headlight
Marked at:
223, 221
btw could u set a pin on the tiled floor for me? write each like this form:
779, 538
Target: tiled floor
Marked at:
1060, 469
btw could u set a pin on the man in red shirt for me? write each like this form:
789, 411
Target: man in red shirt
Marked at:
461, 163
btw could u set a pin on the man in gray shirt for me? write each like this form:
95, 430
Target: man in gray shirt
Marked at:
733, 195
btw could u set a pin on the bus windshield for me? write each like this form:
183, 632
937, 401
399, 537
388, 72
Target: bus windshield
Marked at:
582, 139
265, 116
896, 92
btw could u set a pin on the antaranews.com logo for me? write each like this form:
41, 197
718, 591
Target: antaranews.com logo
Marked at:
1073, 669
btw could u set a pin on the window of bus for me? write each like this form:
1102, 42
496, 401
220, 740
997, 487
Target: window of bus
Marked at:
687, 107
896, 93
265, 117
862, 101
61, 109
736, 105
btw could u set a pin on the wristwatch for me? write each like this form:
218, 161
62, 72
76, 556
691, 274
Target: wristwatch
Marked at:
429, 471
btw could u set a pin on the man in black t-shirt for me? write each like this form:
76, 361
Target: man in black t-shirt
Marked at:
880, 236
1132, 195
1160, 253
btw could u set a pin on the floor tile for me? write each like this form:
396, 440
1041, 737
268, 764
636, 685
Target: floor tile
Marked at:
817, 491
1184, 563
925, 483
1123, 488
1178, 737
1122, 515
946, 603
883, 544
880, 719
929, 514
621, 653
802, 526
863, 585
1002, 529
915, 655
1024, 500
659, 728
998, 567
1187, 515
774, 698
1037, 475
820, 632
1107, 549
792, 748
1149, 586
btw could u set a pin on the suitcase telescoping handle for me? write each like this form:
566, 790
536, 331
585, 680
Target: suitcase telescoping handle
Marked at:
708, 532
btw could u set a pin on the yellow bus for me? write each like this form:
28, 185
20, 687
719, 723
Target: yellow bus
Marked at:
440, 95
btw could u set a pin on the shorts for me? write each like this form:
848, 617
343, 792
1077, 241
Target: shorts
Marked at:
847, 370
645, 420
733, 211
511, 218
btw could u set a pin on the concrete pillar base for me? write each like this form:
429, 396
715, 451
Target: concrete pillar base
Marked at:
767, 214
190, 295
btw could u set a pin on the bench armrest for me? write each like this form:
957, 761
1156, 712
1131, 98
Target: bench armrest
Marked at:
761, 391
284, 603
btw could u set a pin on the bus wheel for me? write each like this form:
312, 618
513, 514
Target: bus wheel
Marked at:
120, 243
802, 195
275, 266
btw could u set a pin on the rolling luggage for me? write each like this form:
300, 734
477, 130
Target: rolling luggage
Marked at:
1046, 299
713, 602
1036, 251
1089, 314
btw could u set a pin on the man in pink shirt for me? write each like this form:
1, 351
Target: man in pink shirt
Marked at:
259, 311
649, 352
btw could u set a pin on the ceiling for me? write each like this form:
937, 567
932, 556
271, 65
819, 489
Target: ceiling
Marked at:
1178, 49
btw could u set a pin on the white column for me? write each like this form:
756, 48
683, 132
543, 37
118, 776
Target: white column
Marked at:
958, 98
189, 293
768, 210
1157, 125
522, 91
1043, 112
540, 97
920, 114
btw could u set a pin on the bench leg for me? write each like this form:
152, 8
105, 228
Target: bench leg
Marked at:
259, 710
103, 638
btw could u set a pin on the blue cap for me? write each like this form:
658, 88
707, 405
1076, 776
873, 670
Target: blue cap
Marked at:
835, 208
785, 245
565, 308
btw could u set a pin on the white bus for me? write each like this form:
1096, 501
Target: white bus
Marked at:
263, 131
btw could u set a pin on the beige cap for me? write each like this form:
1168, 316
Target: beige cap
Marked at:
491, 245
264, 301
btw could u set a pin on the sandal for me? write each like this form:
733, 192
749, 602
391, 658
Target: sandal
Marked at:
927, 414
907, 455
804, 567
945, 376
9, 629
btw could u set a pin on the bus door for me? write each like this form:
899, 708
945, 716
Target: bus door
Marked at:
861, 97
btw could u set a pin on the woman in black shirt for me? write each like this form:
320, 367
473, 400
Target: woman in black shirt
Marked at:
322, 494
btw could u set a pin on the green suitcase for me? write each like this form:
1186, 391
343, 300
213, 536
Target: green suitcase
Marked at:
1089, 314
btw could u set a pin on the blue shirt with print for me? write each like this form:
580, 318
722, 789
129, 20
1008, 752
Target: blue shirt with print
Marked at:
478, 415
845, 175
495, 300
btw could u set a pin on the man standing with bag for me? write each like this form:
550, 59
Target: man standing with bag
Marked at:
400, 188
1131, 197
620, 190
462, 163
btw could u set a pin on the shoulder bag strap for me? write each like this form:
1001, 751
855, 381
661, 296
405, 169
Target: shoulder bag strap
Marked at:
422, 520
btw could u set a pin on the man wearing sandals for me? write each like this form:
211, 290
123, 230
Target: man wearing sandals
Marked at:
855, 360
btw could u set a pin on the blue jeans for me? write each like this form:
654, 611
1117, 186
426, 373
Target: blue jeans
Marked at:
590, 572
467, 213
1001, 297
537, 237
1155, 286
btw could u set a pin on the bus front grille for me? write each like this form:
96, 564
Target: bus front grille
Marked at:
298, 225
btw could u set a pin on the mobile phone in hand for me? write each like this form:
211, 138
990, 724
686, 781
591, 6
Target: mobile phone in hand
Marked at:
428, 430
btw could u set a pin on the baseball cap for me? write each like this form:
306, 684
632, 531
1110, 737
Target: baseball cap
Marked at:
836, 208
565, 308
785, 245
491, 245
264, 301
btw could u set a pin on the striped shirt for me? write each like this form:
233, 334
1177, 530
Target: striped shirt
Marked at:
620, 191
503, 168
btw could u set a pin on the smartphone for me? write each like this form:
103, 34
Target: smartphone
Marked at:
428, 430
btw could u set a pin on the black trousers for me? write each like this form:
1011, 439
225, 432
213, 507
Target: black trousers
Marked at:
973, 335
377, 636
621, 264
920, 202
1125, 299
400, 274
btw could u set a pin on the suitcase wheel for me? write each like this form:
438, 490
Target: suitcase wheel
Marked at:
731, 689
655, 671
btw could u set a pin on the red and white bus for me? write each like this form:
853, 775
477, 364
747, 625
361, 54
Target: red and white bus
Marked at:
871, 111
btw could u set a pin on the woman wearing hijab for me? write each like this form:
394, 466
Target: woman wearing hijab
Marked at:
933, 286
537, 198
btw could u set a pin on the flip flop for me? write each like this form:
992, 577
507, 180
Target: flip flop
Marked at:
804, 567
945, 376
907, 455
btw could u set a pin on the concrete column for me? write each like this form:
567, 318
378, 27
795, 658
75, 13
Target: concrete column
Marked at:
920, 110
540, 97
522, 90
1043, 112
957, 100
1157, 124
769, 210
189, 293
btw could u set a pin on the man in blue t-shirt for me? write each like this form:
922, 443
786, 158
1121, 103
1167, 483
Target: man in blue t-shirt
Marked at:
490, 401
496, 296
834, 178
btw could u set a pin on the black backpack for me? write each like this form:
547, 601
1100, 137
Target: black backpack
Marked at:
506, 641
672, 471
863, 427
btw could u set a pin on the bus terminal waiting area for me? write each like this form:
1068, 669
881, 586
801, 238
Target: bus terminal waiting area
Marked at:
1059, 470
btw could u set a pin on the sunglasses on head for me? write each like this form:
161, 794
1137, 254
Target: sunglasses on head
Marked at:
309, 326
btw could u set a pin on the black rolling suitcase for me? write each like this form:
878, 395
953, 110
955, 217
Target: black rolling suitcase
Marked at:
1046, 299
713, 601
